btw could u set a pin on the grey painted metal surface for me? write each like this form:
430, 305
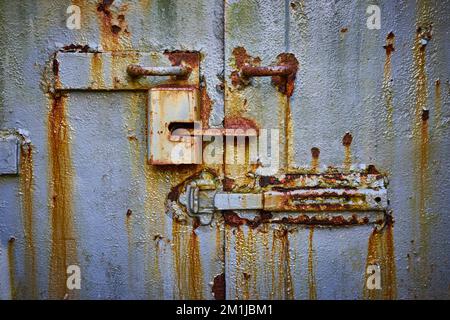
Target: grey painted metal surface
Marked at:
86, 195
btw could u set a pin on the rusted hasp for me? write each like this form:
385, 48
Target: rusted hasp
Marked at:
322, 196
270, 71
304, 200
135, 70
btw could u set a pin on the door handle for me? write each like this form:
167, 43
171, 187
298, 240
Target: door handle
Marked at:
136, 71
268, 71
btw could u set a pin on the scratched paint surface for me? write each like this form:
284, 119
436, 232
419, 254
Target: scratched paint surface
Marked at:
87, 196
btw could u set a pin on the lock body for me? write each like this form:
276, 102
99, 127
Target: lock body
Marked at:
174, 116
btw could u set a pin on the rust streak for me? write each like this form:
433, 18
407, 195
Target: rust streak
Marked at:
114, 32
282, 285
194, 267
315, 153
387, 81
421, 155
129, 228
26, 188
437, 103
12, 268
311, 267
61, 211
188, 270
380, 252
286, 84
346, 142
205, 107
96, 72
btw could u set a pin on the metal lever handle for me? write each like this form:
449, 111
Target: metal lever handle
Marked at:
135, 70
251, 71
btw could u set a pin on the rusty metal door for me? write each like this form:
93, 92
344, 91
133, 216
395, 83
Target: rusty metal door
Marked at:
323, 150
353, 113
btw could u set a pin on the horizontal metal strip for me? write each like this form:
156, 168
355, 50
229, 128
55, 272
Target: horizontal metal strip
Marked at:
108, 71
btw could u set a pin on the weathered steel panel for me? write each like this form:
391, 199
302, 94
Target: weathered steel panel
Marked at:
95, 201
360, 103
358, 99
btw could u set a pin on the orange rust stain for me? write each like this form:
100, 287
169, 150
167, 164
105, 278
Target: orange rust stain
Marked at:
285, 85
96, 72
114, 33
241, 58
206, 107
315, 153
219, 287
381, 252
288, 135
12, 268
264, 231
188, 269
61, 211
282, 285
26, 188
437, 102
129, 228
240, 123
387, 80
311, 268
346, 142
246, 271
194, 267
421, 156
178, 57
240, 242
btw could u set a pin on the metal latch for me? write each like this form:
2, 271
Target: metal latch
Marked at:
320, 196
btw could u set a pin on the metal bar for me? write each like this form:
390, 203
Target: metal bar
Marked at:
238, 201
251, 71
304, 200
326, 200
135, 70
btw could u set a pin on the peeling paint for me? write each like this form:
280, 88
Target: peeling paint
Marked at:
218, 288
114, 31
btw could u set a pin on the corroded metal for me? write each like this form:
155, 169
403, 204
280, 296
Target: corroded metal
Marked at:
86, 195
139, 71
250, 71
